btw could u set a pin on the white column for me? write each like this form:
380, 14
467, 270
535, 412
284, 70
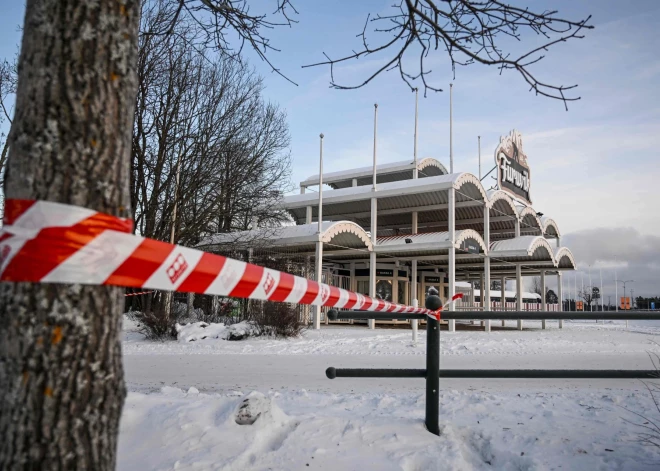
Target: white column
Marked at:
503, 298
517, 230
302, 189
354, 182
319, 243
544, 305
395, 283
415, 302
560, 297
372, 255
481, 296
318, 267
519, 291
485, 286
413, 286
352, 282
308, 215
451, 196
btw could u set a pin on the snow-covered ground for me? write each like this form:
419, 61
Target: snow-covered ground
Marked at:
373, 424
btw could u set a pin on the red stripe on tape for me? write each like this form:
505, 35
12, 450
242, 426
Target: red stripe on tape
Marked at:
352, 300
14, 209
53, 245
335, 294
206, 270
141, 264
249, 281
311, 294
284, 287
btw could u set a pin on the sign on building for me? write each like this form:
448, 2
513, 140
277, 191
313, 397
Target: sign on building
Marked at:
513, 175
579, 306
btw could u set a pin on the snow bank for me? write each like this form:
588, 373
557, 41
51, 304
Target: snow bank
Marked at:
198, 331
480, 431
575, 339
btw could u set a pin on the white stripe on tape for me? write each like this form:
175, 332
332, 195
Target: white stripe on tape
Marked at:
231, 273
175, 269
97, 260
267, 285
44, 214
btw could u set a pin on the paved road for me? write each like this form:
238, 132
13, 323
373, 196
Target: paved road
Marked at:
223, 373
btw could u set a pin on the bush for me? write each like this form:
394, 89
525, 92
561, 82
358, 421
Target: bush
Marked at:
277, 319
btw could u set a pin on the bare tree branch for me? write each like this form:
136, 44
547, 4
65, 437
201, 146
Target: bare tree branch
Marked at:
470, 31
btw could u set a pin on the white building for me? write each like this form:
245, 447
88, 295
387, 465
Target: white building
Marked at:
397, 230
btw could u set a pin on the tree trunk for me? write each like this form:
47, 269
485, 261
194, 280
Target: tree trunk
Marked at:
61, 375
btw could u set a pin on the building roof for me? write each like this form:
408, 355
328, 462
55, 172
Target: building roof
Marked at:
390, 172
431, 243
337, 235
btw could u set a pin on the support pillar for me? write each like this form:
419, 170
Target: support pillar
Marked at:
503, 297
413, 297
451, 197
519, 293
318, 265
485, 280
544, 305
560, 295
481, 296
372, 255
517, 230
308, 215
413, 286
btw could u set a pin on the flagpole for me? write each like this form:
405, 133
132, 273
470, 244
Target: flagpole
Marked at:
451, 131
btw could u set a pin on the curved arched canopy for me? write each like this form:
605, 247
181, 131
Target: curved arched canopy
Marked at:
392, 172
503, 215
337, 236
550, 227
530, 224
396, 202
522, 249
467, 242
564, 259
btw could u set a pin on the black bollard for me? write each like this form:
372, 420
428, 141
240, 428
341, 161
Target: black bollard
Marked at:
432, 367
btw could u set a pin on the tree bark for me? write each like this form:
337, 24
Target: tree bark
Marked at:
61, 375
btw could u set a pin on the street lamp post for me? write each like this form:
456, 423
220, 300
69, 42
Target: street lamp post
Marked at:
624, 291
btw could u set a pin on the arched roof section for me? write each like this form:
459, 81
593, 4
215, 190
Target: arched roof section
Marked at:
533, 248
500, 200
390, 172
467, 241
550, 227
530, 224
564, 258
345, 233
340, 235
431, 167
469, 188
467, 236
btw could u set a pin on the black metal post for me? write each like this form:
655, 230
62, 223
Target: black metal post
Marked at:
432, 365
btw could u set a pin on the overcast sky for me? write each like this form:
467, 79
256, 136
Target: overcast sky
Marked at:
595, 169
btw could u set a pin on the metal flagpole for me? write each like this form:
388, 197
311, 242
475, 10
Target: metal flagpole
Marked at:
451, 131
415, 302
616, 292
319, 243
479, 140
602, 308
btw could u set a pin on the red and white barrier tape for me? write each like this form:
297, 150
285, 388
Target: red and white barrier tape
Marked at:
48, 242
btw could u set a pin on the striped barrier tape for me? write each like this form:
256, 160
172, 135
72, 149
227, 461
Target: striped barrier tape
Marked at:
46, 242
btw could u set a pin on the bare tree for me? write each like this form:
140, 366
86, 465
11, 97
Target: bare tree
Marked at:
206, 121
468, 31
61, 375
8, 78
587, 295
537, 287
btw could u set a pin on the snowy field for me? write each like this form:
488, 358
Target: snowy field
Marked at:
183, 397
